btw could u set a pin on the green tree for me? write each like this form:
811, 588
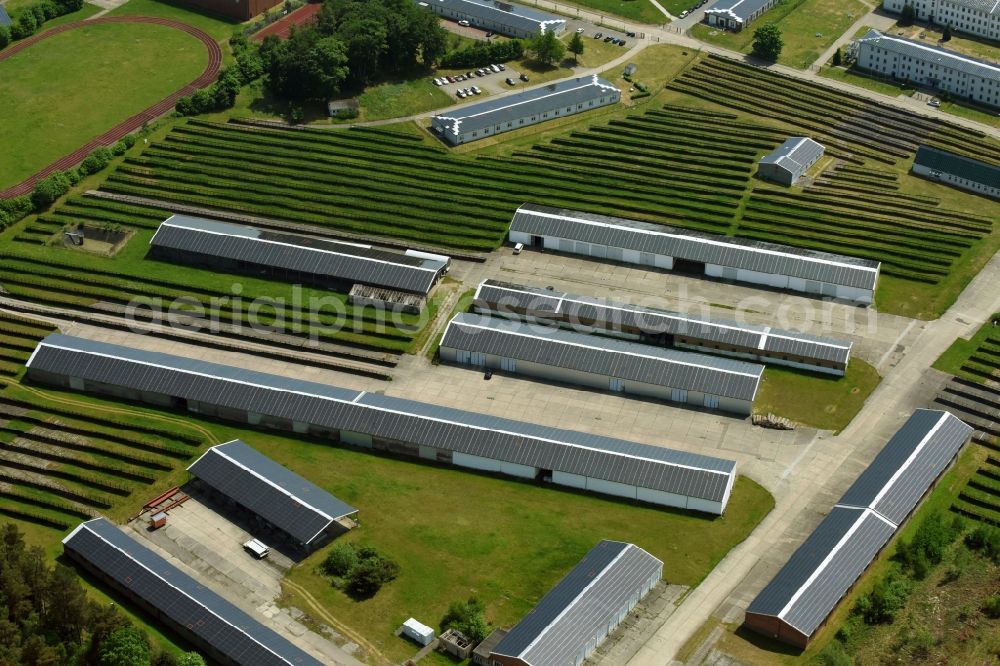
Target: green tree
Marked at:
546, 48
946, 34
575, 46
340, 560
191, 659
126, 647
767, 42
469, 617
908, 15
305, 67
838, 59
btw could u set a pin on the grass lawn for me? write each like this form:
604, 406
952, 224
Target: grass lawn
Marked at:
934, 605
219, 28
952, 360
808, 28
814, 400
862, 81
967, 44
404, 98
63, 91
641, 11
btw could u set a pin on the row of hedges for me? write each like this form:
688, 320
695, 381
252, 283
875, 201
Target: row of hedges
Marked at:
481, 54
28, 20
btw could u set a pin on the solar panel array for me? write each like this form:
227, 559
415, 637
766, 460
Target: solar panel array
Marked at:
275, 493
598, 355
301, 254
807, 589
195, 611
662, 240
385, 418
562, 627
501, 297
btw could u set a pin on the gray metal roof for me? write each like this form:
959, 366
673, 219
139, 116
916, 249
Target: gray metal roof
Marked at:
807, 589
794, 155
498, 110
294, 252
141, 573
988, 6
611, 357
932, 54
908, 464
504, 13
547, 304
739, 9
579, 609
4, 16
709, 248
646, 466
958, 165
275, 493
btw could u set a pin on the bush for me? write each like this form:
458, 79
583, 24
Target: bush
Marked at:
370, 574
126, 647
986, 539
933, 536
13, 209
469, 617
25, 26
4, 36
992, 606
219, 96
834, 655
340, 560
881, 604
95, 161
50, 189
481, 54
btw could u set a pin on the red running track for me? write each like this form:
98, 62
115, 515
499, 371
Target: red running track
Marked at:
283, 26
136, 121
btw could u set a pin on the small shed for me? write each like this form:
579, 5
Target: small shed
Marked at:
791, 160
158, 520
418, 632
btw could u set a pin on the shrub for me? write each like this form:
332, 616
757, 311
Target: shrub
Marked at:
992, 606
25, 26
13, 209
927, 548
95, 161
340, 560
50, 189
834, 655
125, 647
469, 617
481, 54
986, 539
4, 36
881, 604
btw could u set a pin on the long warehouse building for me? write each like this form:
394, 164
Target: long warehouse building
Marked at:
580, 460
658, 246
762, 344
801, 596
277, 496
600, 362
294, 257
575, 617
216, 627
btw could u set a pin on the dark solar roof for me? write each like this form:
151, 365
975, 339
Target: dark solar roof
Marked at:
277, 494
544, 303
631, 361
304, 254
807, 589
535, 101
690, 245
382, 417
143, 574
809, 586
582, 605
958, 165
908, 464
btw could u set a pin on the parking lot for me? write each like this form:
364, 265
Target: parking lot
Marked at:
487, 80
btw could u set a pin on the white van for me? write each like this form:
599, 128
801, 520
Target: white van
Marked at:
518, 247
258, 548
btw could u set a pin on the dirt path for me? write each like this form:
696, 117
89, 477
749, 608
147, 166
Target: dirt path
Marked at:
128, 126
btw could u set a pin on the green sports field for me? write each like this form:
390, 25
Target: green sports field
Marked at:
72, 87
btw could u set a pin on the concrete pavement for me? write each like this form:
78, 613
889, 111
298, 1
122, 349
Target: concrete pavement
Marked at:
811, 488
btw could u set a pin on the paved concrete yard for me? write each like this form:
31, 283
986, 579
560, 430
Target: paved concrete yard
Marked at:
209, 547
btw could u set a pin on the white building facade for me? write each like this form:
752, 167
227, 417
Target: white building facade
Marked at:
973, 17
905, 60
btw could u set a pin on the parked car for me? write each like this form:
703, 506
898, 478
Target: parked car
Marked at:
510, 81
451, 79
475, 90
468, 75
495, 68
464, 23
518, 247
630, 34
502, 67
684, 13
524, 77
461, 94
621, 42
437, 82
488, 374
935, 102
257, 547
489, 33
608, 38
579, 30
480, 72
598, 35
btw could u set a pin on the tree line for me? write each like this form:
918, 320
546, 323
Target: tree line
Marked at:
28, 20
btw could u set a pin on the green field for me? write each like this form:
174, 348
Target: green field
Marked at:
808, 28
455, 533
49, 112
814, 400
219, 28
976, 358
641, 11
